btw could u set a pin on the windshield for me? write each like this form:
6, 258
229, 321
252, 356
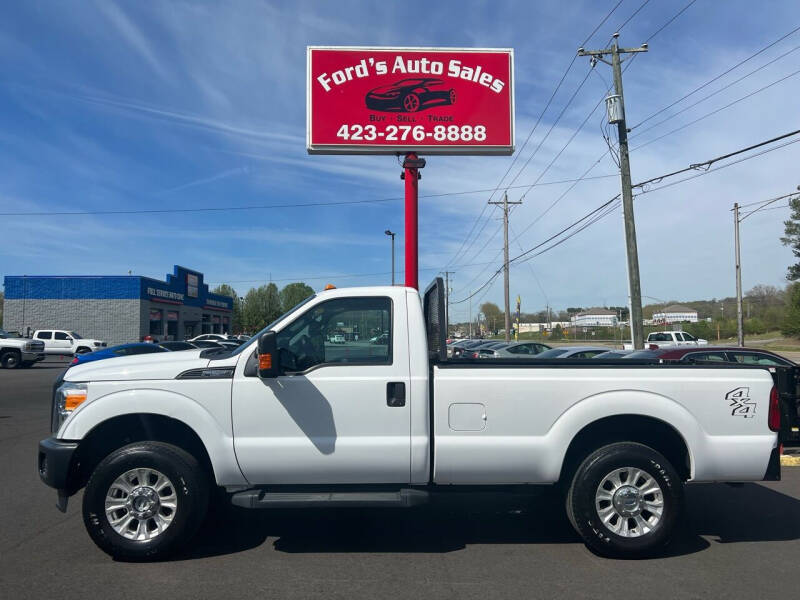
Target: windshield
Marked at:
3, 333
75, 335
255, 337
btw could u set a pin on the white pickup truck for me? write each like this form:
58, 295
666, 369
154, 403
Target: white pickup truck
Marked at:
668, 339
290, 419
19, 352
66, 343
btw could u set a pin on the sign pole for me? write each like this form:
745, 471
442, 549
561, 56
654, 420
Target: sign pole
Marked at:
411, 166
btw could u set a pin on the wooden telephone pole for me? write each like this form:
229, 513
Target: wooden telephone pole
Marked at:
615, 105
506, 299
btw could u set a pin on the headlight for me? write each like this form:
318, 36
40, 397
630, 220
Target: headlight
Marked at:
98, 343
68, 396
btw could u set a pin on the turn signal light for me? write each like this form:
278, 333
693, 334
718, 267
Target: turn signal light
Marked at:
73, 401
774, 418
265, 361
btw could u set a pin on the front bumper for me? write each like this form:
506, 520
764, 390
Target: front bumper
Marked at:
32, 356
57, 467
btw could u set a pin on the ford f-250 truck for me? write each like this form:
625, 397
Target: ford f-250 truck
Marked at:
290, 419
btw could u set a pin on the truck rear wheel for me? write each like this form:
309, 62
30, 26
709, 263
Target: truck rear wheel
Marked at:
625, 500
145, 500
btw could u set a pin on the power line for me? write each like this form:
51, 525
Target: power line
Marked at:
271, 206
713, 112
712, 94
712, 80
706, 164
765, 203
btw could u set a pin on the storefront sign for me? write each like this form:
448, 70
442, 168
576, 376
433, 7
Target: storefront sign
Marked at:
427, 100
172, 315
166, 294
217, 303
191, 285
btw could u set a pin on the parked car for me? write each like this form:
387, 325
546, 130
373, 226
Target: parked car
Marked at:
337, 338
66, 343
745, 356
213, 337
177, 346
522, 350
288, 421
380, 339
572, 352
668, 339
19, 352
208, 344
613, 354
117, 351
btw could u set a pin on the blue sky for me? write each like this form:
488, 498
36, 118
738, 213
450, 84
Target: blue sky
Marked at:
121, 105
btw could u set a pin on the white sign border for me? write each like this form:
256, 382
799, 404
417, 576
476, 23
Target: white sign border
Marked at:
365, 149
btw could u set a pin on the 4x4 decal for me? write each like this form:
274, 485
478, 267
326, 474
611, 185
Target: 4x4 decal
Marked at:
740, 403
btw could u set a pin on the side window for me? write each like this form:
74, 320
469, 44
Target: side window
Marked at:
689, 338
44, 335
516, 350
60, 335
679, 337
341, 331
755, 359
705, 356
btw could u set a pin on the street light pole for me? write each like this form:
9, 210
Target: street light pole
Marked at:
390, 233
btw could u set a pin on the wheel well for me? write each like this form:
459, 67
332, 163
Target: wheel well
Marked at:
120, 431
651, 432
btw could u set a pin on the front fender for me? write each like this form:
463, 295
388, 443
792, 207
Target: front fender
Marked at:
215, 436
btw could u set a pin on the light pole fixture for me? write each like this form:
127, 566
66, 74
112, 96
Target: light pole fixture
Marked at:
391, 234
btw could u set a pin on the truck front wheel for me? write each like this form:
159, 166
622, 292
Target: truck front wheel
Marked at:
145, 500
625, 500
9, 359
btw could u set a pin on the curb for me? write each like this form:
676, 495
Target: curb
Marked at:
790, 461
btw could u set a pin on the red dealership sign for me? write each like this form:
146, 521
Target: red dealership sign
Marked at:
428, 100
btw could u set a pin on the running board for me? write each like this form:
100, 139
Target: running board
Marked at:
264, 499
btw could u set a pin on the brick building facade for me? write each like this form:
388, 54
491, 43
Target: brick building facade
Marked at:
117, 308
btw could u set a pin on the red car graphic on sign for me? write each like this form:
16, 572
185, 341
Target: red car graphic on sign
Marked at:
410, 95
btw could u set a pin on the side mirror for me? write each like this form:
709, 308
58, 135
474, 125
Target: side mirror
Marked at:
268, 359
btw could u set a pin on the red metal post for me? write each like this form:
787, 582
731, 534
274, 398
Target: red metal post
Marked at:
412, 188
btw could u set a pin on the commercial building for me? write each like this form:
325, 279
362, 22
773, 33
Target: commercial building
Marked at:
594, 317
117, 308
676, 313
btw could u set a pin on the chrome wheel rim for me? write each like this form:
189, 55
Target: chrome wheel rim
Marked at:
141, 504
629, 502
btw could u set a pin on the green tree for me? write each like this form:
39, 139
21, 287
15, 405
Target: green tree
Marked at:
791, 318
495, 318
261, 306
293, 294
791, 229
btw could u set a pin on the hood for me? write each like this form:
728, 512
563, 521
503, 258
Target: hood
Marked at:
159, 365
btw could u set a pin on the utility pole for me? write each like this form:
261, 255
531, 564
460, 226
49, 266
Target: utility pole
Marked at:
615, 105
739, 315
392, 234
447, 300
506, 299
470, 317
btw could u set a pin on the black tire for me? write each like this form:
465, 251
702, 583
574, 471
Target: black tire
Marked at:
83, 350
582, 509
10, 359
191, 489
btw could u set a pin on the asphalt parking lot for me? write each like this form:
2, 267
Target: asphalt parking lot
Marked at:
738, 542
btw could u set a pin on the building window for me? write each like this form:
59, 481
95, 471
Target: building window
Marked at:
156, 324
205, 326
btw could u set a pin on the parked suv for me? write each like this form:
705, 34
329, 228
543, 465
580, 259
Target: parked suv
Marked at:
19, 352
66, 343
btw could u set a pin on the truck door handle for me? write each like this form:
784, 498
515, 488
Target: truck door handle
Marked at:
395, 394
